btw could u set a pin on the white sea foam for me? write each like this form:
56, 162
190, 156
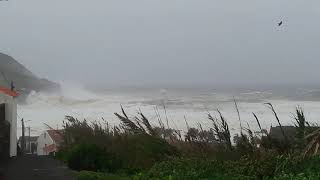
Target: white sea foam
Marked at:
75, 101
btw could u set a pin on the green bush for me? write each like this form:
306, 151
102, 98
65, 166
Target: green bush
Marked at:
112, 149
140, 152
267, 168
300, 176
129, 154
90, 157
196, 169
87, 175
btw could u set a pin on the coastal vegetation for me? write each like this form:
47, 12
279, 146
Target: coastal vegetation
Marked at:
137, 149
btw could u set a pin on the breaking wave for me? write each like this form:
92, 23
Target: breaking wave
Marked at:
81, 103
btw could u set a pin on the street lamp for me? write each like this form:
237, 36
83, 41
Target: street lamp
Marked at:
29, 140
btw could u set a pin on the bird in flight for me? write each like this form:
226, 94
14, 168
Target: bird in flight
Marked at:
280, 23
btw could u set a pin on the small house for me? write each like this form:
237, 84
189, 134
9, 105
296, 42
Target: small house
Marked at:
8, 123
289, 131
49, 142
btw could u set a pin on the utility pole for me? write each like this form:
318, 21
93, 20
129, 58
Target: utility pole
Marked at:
29, 142
23, 140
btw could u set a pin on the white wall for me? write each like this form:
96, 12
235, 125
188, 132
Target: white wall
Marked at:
43, 139
11, 117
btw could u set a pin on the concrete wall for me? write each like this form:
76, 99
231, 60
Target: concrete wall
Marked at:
11, 117
43, 140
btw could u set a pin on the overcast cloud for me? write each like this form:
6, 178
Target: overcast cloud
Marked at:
165, 41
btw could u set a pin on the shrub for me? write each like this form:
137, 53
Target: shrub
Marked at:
129, 148
269, 167
145, 152
88, 175
195, 169
89, 157
139, 152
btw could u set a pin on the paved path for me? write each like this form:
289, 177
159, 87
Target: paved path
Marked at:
31, 167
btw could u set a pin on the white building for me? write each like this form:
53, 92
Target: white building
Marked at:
8, 123
49, 142
31, 143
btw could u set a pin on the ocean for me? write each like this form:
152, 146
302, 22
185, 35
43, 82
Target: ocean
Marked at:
175, 103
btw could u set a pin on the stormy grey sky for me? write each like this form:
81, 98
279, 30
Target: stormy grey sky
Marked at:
164, 41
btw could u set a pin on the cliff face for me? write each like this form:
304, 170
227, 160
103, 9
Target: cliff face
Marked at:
24, 80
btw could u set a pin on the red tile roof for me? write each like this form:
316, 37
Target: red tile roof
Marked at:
8, 92
56, 135
50, 148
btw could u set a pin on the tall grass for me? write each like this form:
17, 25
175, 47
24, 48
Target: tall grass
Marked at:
137, 144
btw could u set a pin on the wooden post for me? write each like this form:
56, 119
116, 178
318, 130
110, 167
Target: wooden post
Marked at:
29, 150
23, 140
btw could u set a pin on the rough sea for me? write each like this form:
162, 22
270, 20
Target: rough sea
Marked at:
175, 103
